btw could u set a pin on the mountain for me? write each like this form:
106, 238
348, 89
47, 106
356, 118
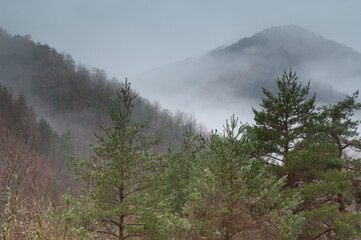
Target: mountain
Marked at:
228, 79
223, 82
74, 98
292, 46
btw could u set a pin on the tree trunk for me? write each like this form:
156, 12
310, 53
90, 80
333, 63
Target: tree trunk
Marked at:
121, 219
341, 202
121, 230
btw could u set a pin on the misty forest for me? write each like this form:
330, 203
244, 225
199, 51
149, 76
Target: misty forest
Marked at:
84, 156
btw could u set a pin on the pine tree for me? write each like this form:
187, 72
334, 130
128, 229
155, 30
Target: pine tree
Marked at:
233, 196
328, 173
342, 131
165, 201
307, 146
178, 169
282, 121
120, 169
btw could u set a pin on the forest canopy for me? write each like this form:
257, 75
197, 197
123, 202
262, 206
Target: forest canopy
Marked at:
290, 175
148, 174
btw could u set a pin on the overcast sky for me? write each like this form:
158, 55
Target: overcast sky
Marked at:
126, 37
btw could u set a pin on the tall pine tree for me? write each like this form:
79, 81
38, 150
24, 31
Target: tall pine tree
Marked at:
120, 169
307, 145
282, 120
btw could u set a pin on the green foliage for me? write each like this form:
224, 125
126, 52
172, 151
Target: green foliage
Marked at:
170, 190
308, 147
233, 196
330, 221
283, 119
337, 119
120, 169
158, 217
176, 171
293, 175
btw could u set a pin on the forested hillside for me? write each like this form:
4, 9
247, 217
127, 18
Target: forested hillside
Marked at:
293, 174
73, 98
32, 161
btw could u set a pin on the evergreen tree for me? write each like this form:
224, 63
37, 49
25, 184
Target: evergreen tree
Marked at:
328, 158
341, 129
233, 197
307, 146
283, 118
178, 166
168, 196
120, 169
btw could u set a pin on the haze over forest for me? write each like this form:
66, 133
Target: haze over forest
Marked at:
128, 38
258, 138
229, 79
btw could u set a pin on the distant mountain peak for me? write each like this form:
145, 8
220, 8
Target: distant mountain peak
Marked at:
276, 36
288, 33
287, 29
287, 38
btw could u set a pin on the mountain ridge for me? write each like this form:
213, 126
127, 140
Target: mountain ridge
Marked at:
74, 98
272, 35
236, 73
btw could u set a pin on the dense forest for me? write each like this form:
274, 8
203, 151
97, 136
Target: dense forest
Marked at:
293, 174
73, 98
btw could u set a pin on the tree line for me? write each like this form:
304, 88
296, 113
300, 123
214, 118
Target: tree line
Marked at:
73, 96
294, 174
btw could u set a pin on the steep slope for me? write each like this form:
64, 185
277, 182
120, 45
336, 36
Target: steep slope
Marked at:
228, 79
27, 143
72, 98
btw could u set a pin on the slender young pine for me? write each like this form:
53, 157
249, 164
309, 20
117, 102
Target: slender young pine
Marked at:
119, 170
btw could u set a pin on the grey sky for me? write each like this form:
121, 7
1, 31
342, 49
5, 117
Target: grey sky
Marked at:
126, 37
